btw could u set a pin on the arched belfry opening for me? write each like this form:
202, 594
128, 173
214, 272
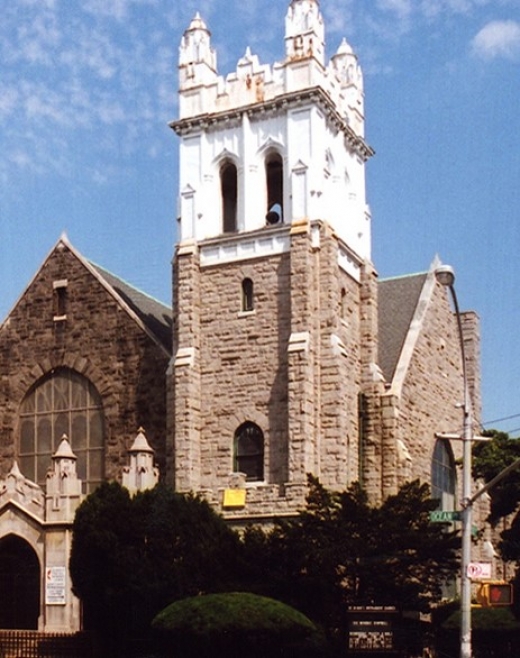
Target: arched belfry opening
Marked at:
19, 584
274, 181
229, 191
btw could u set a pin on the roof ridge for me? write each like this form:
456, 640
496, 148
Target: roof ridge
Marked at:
127, 283
404, 276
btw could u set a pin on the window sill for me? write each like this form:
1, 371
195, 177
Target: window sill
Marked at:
246, 314
59, 318
254, 484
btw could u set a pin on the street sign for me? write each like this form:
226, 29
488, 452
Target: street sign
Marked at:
479, 570
442, 516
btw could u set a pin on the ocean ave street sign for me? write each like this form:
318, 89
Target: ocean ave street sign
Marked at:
441, 516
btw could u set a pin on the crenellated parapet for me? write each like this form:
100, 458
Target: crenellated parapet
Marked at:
203, 91
18, 489
273, 143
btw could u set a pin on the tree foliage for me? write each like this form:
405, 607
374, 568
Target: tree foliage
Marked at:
132, 556
489, 459
342, 551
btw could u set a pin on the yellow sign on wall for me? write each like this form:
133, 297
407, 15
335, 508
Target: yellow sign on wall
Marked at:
234, 498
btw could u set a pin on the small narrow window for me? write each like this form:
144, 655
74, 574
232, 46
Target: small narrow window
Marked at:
343, 304
248, 457
229, 190
248, 303
274, 179
60, 299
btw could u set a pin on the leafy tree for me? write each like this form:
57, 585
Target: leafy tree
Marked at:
132, 556
489, 459
342, 551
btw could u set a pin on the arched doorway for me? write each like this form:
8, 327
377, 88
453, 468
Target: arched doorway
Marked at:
19, 584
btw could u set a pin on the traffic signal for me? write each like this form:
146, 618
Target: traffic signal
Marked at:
495, 593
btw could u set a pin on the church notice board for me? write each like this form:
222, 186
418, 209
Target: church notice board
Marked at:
371, 629
55, 582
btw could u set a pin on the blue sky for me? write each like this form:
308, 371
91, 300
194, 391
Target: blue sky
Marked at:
87, 88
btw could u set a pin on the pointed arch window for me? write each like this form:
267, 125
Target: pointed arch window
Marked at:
444, 475
248, 453
248, 301
229, 191
274, 180
63, 402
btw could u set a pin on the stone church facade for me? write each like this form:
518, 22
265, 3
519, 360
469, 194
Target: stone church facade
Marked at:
283, 355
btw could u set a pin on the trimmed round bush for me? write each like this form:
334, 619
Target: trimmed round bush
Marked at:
236, 622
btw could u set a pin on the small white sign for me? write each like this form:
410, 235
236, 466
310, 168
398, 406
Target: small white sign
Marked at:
479, 570
55, 583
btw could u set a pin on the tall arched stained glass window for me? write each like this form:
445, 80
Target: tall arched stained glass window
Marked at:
444, 475
63, 402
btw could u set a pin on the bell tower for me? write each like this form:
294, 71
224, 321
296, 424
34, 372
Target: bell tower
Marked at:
270, 269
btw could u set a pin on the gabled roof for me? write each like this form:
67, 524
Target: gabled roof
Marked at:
155, 315
398, 300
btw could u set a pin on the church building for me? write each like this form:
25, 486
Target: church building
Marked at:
284, 354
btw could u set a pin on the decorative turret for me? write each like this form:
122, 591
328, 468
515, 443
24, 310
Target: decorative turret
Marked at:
63, 492
197, 59
304, 31
345, 68
141, 474
270, 145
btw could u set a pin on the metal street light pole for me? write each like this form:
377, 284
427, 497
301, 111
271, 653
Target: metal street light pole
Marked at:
446, 276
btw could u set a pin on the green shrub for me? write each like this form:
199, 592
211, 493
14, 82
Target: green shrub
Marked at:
237, 622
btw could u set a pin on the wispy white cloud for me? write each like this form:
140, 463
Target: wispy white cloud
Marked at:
339, 16
98, 66
498, 39
117, 9
401, 8
68, 70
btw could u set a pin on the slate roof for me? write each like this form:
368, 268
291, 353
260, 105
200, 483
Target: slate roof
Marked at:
155, 315
398, 299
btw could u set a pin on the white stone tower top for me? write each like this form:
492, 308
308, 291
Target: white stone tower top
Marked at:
305, 31
197, 59
272, 144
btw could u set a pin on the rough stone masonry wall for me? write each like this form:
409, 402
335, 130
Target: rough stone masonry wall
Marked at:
432, 391
471, 334
339, 367
99, 340
291, 365
244, 364
432, 388
185, 393
371, 416
304, 392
